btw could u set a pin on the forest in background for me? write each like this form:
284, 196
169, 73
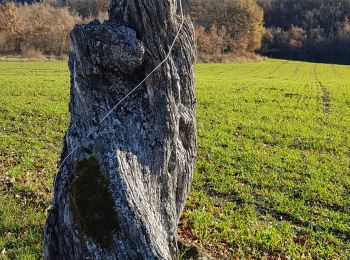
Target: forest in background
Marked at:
225, 30
315, 30
41, 29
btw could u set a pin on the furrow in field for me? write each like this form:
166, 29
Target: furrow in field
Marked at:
250, 69
269, 74
258, 70
293, 74
336, 72
326, 95
326, 98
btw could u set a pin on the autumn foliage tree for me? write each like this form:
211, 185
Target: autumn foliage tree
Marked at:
11, 28
226, 26
49, 28
222, 28
38, 28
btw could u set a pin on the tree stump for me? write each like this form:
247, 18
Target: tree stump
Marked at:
121, 193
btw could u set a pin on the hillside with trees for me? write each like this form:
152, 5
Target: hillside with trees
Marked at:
35, 30
42, 29
307, 29
225, 30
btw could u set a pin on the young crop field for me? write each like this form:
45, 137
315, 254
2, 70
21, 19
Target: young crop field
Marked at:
273, 172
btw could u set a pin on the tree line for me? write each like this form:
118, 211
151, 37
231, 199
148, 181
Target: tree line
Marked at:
228, 27
305, 29
224, 29
34, 30
38, 29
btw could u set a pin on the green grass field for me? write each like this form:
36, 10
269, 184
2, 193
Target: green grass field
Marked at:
273, 170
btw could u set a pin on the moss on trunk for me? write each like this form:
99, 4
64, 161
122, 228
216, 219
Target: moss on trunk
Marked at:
92, 204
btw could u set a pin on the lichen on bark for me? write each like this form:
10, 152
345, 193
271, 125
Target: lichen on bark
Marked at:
92, 204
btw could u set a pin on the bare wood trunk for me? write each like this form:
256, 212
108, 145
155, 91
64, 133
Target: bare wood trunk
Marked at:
121, 194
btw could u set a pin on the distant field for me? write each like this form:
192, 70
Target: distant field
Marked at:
273, 170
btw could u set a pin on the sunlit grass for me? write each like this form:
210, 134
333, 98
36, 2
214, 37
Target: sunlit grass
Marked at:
273, 170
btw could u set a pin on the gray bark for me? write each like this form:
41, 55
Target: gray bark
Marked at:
121, 193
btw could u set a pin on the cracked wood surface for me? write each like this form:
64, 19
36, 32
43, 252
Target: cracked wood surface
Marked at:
140, 161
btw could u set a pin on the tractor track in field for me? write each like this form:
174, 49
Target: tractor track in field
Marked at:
337, 72
276, 69
295, 73
326, 98
297, 70
326, 94
253, 72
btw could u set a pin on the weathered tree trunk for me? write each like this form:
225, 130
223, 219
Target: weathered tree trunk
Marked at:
121, 193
